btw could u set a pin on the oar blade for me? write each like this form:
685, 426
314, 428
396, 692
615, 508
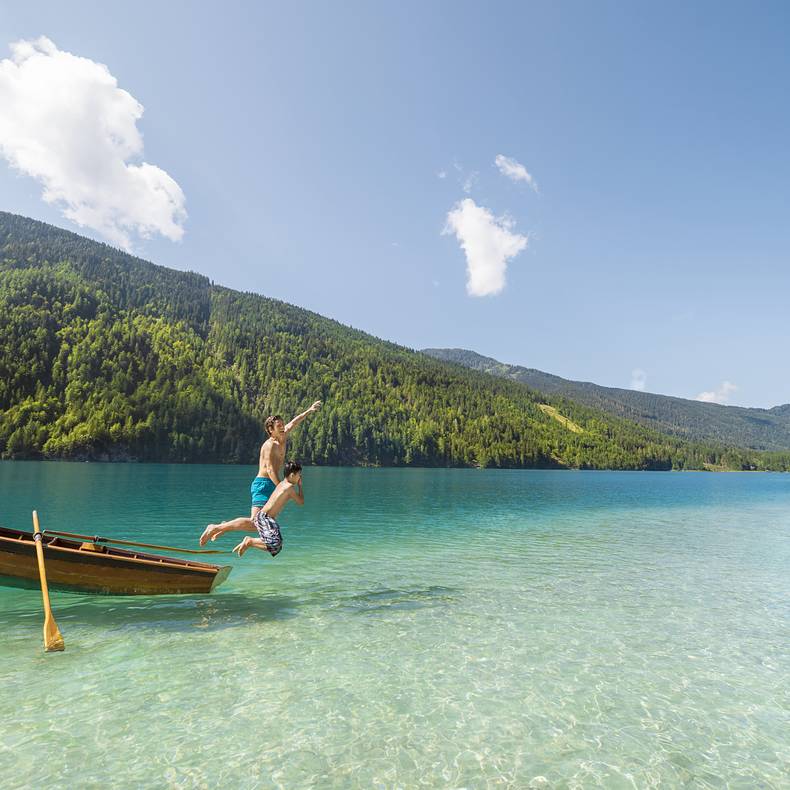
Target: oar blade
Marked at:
53, 640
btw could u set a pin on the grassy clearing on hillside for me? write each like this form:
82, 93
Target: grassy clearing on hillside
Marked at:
552, 412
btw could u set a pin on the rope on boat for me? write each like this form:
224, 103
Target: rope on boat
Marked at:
97, 539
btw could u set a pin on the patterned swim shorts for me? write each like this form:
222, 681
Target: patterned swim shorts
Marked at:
269, 531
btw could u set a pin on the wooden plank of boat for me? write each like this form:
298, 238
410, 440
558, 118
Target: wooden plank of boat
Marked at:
94, 568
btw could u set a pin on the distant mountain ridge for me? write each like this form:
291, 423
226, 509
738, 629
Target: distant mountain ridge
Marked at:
734, 426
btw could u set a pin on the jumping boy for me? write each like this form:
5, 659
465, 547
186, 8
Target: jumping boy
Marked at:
264, 521
272, 456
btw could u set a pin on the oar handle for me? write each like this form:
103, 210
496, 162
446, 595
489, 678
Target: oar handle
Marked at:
37, 537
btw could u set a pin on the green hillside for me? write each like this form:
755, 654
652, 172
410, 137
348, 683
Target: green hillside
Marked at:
106, 356
757, 429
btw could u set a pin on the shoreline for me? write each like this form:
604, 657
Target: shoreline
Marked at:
135, 462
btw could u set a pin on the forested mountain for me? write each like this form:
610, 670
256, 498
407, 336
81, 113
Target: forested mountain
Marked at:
106, 356
758, 429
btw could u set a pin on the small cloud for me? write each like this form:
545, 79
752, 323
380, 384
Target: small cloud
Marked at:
487, 242
638, 379
442, 174
514, 170
435, 283
469, 181
721, 395
395, 244
67, 124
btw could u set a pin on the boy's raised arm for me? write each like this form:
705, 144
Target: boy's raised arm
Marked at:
299, 417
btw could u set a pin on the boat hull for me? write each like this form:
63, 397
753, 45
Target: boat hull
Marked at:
95, 568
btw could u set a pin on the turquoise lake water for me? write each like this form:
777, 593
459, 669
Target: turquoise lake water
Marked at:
421, 628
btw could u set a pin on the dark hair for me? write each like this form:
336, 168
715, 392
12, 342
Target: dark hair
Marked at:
292, 467
269, 424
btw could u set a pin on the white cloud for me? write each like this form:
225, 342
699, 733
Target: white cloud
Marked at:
442, 174
721, 395
514, 170
487, 242
638, 379
65, 122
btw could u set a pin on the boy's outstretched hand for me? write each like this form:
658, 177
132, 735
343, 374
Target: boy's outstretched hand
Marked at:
316, 406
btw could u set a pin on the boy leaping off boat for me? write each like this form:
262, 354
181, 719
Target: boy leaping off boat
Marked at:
264, 521
272, 457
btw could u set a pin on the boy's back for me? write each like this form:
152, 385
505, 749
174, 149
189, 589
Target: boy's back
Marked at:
285, 491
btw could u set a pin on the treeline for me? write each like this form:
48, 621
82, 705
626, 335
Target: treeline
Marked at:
105, 356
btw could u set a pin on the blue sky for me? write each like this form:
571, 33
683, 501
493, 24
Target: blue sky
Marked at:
320, 150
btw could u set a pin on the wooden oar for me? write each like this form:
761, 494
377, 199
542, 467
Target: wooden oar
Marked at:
99, 539
52, 637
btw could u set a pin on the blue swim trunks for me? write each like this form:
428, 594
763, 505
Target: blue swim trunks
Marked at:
261, 489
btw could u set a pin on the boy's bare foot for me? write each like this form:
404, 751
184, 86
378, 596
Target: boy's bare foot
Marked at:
209, 533
242, 547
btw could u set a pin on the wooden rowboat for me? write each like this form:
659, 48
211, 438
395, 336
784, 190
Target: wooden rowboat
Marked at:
89, 567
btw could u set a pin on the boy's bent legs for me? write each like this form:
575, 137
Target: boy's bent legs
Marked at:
250, 543
213, 531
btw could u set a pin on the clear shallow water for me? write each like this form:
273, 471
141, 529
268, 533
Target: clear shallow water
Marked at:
438, 628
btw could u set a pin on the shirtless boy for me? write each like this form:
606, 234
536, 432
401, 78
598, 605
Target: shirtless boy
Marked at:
271, 458
264, 520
